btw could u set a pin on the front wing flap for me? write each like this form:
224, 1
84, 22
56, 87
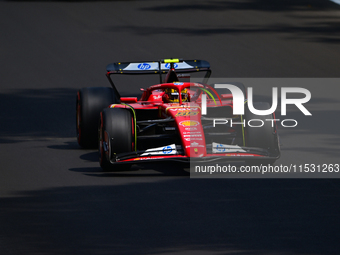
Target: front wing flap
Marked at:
175, 153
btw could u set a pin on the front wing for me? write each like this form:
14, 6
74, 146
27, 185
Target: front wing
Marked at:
175, 153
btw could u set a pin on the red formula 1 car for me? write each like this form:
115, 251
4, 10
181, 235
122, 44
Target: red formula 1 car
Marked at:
167, 123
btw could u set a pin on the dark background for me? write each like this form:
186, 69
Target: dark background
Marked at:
54, 199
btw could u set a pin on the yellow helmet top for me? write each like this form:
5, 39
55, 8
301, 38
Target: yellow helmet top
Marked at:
173, 95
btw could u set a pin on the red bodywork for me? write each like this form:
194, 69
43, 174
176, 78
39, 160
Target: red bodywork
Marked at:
187, 120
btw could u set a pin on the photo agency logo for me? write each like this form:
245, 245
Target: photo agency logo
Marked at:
240, 102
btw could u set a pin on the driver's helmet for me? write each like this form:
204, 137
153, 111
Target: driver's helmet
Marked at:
171, 95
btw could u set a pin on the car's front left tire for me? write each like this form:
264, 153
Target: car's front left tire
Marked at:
116, 135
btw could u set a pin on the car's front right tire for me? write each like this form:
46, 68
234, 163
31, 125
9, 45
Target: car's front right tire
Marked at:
265, 136
90, 102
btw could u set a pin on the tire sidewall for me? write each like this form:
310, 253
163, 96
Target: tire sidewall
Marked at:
116, 134
90, 102
264, 137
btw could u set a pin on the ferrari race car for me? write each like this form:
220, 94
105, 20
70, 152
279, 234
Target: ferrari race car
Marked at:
168, 121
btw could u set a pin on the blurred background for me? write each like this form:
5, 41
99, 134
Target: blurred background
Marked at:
54, 198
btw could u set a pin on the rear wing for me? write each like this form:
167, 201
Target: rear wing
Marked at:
158, 67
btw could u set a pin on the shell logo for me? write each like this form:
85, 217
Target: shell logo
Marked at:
189, 123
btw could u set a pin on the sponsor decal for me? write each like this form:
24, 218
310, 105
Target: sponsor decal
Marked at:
219, 148
141, 66
186, 113
192, 139
167, 150
167, 66
155, 66
194, 144
191, 129
176, 109
157, 97
192, 135
144, 66
182, 65
189, 123
187, 109
178, 83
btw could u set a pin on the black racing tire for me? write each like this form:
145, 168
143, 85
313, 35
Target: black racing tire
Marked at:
90, 102
116, 135
264, 137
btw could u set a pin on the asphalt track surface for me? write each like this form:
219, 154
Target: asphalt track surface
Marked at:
54, 199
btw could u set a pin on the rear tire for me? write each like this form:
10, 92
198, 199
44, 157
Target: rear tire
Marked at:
264, 137
116, 135
90, 102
